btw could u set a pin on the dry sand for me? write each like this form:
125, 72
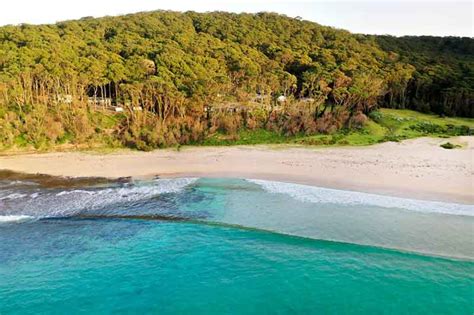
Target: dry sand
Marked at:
414, 168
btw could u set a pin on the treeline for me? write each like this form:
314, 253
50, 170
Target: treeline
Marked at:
443, 80
173, 76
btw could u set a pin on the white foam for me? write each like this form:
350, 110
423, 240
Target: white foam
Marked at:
70, 202
76, 191
13, 196
15, 218
342, 197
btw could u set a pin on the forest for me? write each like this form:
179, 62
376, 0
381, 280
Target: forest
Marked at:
158, 79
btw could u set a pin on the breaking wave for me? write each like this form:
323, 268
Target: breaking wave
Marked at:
15, 218
54, 203
312, 212
342, 197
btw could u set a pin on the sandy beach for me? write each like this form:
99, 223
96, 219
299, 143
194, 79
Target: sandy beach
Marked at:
416, 168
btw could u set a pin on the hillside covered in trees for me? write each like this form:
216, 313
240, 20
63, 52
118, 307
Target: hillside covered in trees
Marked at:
163, 78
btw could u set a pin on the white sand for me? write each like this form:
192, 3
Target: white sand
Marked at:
414, 168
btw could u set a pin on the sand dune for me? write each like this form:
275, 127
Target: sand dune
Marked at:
414, 168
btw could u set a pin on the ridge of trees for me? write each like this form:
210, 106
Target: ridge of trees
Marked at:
179, 77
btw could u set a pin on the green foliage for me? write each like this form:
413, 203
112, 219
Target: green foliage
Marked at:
395, 125
247, 137
164, 69
410, 124
384, 125
449, 145
440, 78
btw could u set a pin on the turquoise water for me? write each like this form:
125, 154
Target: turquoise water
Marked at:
214, 246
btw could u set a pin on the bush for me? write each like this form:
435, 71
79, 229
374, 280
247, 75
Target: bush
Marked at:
53, 129
449, 146
459, 130
227, 124
376, 116
358, 120
428, 128
449, 129
393, 138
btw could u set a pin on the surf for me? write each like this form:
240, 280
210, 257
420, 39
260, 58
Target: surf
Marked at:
424, 227
334, 196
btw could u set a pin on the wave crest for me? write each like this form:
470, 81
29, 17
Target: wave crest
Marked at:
71, 202
15, 218
314, 194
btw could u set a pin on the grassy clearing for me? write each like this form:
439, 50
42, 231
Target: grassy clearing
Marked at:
384, 125
406, 124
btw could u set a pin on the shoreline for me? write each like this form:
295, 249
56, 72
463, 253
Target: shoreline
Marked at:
417, 168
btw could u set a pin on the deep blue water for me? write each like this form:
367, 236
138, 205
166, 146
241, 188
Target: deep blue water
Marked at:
223, 246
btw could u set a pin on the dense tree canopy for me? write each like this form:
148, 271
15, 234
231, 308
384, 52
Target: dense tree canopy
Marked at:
173, 66
443, 76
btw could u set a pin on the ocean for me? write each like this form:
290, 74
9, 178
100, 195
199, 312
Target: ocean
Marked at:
228, 246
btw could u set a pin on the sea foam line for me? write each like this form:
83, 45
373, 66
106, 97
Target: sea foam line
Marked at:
15, 218
13, 196
314, 194
70, 202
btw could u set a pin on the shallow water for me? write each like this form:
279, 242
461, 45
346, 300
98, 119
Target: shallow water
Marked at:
213, 246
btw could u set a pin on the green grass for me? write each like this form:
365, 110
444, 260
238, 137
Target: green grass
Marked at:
247, 137
383, 125
406, 124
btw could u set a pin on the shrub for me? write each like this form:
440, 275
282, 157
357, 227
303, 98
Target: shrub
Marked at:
376, 116
53, 129
358, 121
427, 128
393, 138
449, 146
